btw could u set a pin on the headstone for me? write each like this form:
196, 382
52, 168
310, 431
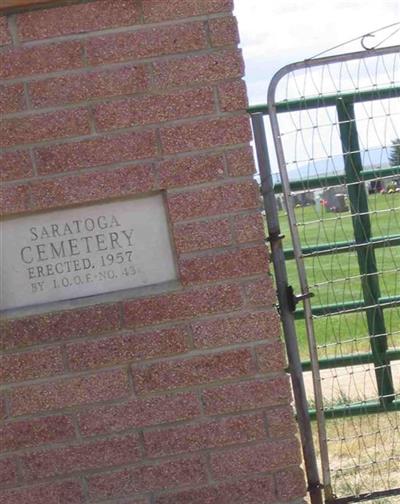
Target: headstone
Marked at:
303, 199
334, 200
341, 203
308, 198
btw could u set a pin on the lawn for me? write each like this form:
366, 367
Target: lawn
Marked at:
364, 451
334, 278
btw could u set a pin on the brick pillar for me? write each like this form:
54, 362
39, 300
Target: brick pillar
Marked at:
166, 397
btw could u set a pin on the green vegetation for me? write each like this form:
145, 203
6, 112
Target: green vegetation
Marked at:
334, 278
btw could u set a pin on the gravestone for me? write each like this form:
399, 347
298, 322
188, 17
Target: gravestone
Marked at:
334, 199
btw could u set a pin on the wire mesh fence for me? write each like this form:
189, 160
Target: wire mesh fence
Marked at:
338, 128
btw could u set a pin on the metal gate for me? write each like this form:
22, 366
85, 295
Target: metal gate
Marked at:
335, 123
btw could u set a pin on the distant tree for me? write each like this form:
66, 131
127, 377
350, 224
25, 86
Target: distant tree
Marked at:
394, 155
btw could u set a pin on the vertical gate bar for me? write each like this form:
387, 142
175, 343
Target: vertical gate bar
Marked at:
286, 315
301, 270
366, 255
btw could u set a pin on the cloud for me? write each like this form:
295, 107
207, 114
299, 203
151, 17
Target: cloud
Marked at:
274, 34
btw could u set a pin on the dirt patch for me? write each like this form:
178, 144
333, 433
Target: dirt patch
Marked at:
350, 384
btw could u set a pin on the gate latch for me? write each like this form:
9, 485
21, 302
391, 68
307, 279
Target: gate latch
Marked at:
293, 300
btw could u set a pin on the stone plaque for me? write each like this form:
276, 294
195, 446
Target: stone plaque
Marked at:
85, 251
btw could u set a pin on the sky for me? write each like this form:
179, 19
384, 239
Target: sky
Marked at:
277, 32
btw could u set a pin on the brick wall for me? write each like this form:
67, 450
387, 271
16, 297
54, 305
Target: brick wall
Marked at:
175, 397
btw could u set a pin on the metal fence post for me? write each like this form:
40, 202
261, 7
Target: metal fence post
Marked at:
286, 314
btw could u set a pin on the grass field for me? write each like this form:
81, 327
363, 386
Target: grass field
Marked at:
334, 278
364, 450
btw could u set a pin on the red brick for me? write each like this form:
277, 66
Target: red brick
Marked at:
190, 170
5, 37
217, 6
30, 433
98, 151
261, 292
249, 228
25, 61
15, 165
125, 348
233, 96
281, 422
81, 457
290, 484
271, 357
182, 305
146, 43
240, 162
30, 365
8, 472
224, 265
12, 98
246, 395
224, 31
194, 371
149, 477
64, 492
154, 109
159, 10
250, 491
70, 392
232, 330
196, 69
211, 434
205, 134
133, 500
93, 186
213, 200
264, 457
14, 198
88, 86
3, 407
80, 18
138, 413
202, 235
59, 326
38, 128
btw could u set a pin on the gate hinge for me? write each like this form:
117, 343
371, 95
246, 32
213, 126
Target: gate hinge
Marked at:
273, 237
315, 486
293, 300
